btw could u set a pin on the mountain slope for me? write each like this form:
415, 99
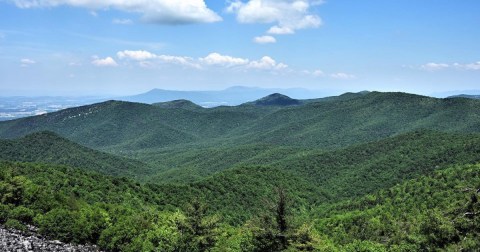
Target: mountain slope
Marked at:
47, 147
123, 127
178, 104
438, 212
428, 213
465, 96
344, 173
231, 96
366, 168
365, 118
275, 99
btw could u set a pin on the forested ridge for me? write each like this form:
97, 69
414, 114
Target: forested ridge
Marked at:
362, 171
47, 147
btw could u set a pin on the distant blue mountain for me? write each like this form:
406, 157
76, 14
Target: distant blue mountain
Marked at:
456, 93
231, 96
466, 96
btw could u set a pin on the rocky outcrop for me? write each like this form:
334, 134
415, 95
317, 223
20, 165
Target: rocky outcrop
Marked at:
17, 241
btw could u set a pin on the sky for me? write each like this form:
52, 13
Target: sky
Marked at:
124, 47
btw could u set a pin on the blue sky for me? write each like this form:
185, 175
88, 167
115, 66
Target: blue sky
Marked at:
119, 47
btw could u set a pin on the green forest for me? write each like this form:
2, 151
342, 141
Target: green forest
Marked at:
365, 171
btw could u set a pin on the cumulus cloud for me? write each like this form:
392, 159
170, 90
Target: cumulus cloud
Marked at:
149, 59
158, 11
223, 60
280, 30
264, 40
266, 63
181, 60
106, 62
144, 56
471, 66
287, 15
26, 62
136, 55
434, 66
318, 73
122, 21
342, 76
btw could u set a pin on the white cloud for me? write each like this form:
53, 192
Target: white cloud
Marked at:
223, 60
26, 62
158, 11
471, 66
180, 60
287, 15
434, 66
106, 62
280, 30
136, 55
336, 75
318, 73
267, 63
122, 21
264, 40
144, 56
342, 76
150, 60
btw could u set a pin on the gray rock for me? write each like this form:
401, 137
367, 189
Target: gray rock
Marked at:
27, 245
17, 241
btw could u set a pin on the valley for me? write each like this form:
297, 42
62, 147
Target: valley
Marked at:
366, 171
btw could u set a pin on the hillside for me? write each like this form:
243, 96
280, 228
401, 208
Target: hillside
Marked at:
92, 207
230, 97
124, 126
119, 214
343, 173
127, 128
366, 168
178, 104
465, 96
47, 147
438, 212
275, 99
369, 117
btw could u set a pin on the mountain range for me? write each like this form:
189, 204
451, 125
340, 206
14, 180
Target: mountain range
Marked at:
358, 169
231, 96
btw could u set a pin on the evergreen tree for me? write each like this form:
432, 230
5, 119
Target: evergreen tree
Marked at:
198, 232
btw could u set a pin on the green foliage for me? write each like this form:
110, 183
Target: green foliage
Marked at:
429, 213
15, 224
359, 173
274, 231
22, 214
366, 168
124, 127
198, 232
4, 212
47, 147
333, 175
